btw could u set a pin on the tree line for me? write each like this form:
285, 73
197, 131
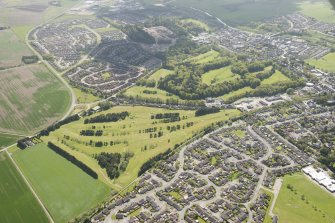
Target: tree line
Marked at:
110, 117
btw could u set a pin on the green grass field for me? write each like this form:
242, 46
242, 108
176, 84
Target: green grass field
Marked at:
276, 77
64, 189
205, 57
326, 63
32, 98
161, 73
317, 207
83, 97
137, 91
239, 11
218, 76
127, 131
11, 49
268, 218
7, 140
18, 205
196, 22
320, 10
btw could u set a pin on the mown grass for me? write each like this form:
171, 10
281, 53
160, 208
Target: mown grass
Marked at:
218, 76
317, 206
326, 63
138, 91
17, 203
128, 133
161, 73
205, 57
64, 189
275, 78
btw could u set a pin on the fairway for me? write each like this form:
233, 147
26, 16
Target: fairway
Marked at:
204, 58
161, 73
218, 76
138, 91
64, 189
317, 207
326, 63
31, 98
18, 205
131, 138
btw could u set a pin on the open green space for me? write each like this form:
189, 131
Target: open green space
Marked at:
239, 11
275, 78
31, 98
161, 73
139, 91
7, 140
326, 63
18, 204
218, 76
307, 202
64, 189
11, 49
131, 137
176, 195
84, 97
241, 93
320, 10
196, 22
268, 218
204, 58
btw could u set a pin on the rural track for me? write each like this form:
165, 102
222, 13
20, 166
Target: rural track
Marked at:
30, 187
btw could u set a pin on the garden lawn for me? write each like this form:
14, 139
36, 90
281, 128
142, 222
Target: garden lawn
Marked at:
317, 207
64, 189
17, 203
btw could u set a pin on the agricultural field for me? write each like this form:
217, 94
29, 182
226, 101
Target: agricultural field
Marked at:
130, 135
17, 204
218, 76
320, 10
31, 98
325, 63
64, 189
6, 139
11, 49
306, 202
238, 12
